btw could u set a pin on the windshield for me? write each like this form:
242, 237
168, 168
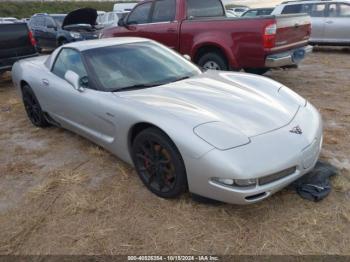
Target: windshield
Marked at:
142, 64
59, 19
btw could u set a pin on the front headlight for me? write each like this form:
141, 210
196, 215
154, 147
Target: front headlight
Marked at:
75, 35
220, 135
236, 182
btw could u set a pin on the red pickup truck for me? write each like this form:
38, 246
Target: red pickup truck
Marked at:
201, 30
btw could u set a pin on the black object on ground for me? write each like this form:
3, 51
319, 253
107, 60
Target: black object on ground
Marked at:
316, 185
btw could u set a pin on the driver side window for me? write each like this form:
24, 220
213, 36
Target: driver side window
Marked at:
140, 15
50, 23
69, 59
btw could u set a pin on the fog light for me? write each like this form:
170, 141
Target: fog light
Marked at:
245, 182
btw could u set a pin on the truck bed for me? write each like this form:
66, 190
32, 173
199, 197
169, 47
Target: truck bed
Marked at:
243, 36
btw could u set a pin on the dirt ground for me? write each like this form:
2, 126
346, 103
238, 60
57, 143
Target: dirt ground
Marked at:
61, 194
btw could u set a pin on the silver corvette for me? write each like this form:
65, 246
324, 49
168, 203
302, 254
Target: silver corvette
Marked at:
232, 137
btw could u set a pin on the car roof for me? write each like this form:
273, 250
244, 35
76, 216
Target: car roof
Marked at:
261, 8
98, 43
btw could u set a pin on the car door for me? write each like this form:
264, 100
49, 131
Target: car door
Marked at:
163, 26
50, 32
137, 21
317, 13
337, 27
83, 111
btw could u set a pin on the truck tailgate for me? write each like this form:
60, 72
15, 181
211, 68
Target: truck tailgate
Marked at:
14, 41
292, 31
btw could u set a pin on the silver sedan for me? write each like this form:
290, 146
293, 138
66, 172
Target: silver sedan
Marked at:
232, 137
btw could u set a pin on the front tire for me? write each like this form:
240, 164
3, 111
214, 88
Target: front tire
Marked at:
33, 108
159, 163
213, 61
62, 41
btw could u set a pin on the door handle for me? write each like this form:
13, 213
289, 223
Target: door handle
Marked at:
170, 30
45, 82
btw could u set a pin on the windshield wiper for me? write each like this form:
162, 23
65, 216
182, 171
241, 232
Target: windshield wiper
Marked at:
135, 87
142, 86
181, 78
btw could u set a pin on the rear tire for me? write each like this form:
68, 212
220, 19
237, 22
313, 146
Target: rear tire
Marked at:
256, 71
33, 108
159, 164
213, 61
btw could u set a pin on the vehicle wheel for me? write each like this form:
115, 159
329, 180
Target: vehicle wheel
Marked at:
32, 107
62, 41
39, 49
257, 71
213, 61
159, 163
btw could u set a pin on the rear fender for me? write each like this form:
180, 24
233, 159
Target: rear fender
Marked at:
207, 41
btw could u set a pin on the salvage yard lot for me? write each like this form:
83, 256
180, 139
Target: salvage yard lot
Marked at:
61, 194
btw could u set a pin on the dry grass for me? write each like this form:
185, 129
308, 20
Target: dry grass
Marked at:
59, 194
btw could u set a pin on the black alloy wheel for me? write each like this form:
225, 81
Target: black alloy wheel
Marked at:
33, 109
159, 164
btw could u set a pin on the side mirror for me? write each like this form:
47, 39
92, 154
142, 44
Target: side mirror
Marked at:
121, 22
74, 79
187, 57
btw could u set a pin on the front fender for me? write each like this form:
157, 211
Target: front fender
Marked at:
130, 113
179, 131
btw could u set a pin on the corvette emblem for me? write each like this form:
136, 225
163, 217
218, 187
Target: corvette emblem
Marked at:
296, 130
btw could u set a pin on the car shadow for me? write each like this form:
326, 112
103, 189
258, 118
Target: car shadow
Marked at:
332, 49
5, 79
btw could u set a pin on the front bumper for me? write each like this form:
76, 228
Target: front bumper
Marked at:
287, 58
266, 154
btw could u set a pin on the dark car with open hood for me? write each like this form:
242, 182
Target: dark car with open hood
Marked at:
53, 30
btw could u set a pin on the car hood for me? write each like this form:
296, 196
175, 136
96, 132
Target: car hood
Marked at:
86, 16
251, 104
